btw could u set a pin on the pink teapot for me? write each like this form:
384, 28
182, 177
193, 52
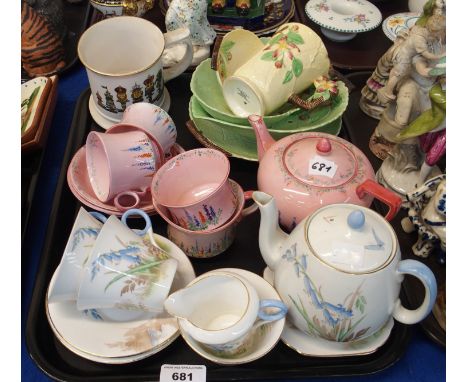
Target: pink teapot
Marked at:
306, 171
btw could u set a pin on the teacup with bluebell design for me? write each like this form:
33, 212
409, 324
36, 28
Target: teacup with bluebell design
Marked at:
76, 255
126, 273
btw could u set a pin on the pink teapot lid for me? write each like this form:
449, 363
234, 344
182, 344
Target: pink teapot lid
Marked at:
320, 162
351, 238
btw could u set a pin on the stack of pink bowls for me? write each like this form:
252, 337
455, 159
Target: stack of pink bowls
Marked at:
113, 172
202, 206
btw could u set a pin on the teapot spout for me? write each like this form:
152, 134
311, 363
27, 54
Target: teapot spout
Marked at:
264, 139
271, 236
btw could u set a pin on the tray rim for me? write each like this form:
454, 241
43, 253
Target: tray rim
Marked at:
245, 372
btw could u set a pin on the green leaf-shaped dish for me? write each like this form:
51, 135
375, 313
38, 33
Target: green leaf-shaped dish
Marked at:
239, 140
206, 88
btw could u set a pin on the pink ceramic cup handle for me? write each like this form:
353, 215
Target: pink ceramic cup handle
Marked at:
251, 209
392, 200
133, 194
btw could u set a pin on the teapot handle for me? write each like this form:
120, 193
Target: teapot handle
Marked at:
425, 275
392, 200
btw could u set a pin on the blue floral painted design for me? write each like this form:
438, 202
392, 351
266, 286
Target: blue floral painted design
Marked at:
335, 321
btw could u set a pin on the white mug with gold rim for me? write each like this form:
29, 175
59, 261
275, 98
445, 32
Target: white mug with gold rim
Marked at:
122, 56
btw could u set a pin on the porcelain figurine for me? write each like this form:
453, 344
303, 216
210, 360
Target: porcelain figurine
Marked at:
42, 51
410, 163
313, 170
427, 214
369, 102
190, 14
411, 77
340, 271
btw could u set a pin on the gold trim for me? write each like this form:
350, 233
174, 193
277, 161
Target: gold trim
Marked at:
150, 352
232, 361
219, 360
209, 274
143, 354
382, 266
117, 3
120, 74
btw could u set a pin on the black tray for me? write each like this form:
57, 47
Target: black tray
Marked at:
361, 127
283, 362
76, 18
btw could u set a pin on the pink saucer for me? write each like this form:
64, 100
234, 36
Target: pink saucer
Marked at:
80, 186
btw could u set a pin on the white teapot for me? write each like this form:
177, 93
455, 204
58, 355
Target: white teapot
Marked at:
340, 270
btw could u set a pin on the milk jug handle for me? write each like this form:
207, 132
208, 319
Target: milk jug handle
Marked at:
425, 275
281, 308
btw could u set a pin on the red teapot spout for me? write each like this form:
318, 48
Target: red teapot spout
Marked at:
264, 139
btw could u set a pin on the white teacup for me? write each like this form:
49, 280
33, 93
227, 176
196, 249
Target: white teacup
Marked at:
126, 273
76, 255
122, 56
288, 64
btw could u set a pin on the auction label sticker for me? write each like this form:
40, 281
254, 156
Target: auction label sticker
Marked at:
319, 165
184, 373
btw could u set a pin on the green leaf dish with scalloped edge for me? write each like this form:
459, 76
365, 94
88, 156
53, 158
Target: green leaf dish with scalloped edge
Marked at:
206, 88
239, 140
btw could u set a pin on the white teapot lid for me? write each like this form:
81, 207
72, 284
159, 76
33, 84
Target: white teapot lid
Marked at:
351, 238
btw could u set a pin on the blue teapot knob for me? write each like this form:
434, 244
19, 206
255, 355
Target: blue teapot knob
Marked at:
356, 219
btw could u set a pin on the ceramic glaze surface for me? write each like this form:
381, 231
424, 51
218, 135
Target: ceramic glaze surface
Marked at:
337, 289
259, 343
120, 162
300, 189
86, 334
152, 119
193, 187
124, 272
210, 243
222, 310
75, 257
122, 56
291, 60
350, 239
399, 23
348, 16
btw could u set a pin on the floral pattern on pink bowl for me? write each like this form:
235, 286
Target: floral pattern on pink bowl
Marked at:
80, 186
153, 120
193, 187
205, 244
119, 163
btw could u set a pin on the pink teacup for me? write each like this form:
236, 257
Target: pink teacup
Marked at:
121, 166
151, 119
204, 244
193, 187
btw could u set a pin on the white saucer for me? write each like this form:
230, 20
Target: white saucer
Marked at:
314, 346
267, 337
342, 19
106, 123
399, 22
89, 336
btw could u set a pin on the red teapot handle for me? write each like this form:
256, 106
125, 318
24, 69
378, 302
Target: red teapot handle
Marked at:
392, 200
